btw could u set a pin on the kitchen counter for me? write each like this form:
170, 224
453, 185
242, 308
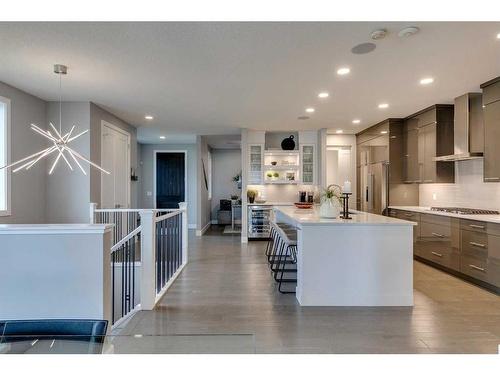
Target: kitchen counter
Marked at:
311, 217
427, 210
366, 261
272, 204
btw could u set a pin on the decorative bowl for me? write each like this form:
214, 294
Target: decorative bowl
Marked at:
260, 201
303, 205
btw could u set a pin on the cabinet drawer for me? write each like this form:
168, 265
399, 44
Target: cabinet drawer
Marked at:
439, 244
475, 244
443, 255
480, 226
474, 267
436, 219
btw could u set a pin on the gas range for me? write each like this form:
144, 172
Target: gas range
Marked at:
465, 211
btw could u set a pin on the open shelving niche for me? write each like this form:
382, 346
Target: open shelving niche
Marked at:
287, 166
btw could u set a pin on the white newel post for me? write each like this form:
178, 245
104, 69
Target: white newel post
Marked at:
183, 207
93, 207
148, 290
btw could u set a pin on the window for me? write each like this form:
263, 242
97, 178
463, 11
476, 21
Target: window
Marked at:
4, 156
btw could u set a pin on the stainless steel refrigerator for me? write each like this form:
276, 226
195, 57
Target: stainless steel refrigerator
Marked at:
374, 176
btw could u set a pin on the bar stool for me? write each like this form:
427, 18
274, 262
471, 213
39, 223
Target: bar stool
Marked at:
275, 241
285, 251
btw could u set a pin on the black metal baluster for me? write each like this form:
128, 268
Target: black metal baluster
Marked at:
113, 260
133, 271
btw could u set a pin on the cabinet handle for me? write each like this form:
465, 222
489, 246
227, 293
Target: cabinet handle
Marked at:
477, 268
437, 235
409, 215
477, 244
492, 178
476, 226
436, 254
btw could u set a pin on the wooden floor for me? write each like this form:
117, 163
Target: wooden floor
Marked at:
227, 289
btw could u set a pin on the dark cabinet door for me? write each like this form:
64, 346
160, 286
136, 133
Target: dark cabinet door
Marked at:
429, 138
411, 167
492, 142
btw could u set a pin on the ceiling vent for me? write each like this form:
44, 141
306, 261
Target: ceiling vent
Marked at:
378, 34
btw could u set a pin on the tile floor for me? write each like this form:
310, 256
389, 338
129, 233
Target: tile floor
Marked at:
227, 289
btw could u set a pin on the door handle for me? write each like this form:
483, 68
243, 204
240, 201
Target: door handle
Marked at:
436, 254
477, 268
477, 244
476, 226
437, 235
492, 178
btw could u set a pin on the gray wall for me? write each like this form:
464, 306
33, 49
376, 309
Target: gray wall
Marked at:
28, 188
68, 192
204, 204
225, 165
97, 114
146, 176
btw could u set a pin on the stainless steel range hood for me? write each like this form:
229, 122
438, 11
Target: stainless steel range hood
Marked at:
468, 129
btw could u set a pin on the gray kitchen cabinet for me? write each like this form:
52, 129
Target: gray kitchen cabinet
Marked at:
410, 216
491, 163
428, 134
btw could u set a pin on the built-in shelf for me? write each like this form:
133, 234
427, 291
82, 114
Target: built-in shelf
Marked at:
280, 182
281, 152
281, 167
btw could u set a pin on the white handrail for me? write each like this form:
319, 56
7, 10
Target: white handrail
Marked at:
169, 215
133, 209
126, 238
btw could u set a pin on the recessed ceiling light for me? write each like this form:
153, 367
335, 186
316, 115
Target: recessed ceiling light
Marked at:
340, 131
426, 81
383, 132
162, 137
343, 71
310, 110
356, 121
148, 117
323, 95
498, 36
383, 105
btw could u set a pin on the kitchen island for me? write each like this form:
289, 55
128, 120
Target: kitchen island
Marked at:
365, 261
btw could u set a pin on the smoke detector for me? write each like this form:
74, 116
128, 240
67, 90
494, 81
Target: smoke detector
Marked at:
408, 31
378, 34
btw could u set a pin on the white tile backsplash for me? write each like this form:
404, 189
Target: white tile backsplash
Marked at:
469, 190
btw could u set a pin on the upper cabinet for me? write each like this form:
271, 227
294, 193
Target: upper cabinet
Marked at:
255, 159
491, 113
308, 163
426, 135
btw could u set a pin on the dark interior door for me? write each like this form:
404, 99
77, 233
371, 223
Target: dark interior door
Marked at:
170, 179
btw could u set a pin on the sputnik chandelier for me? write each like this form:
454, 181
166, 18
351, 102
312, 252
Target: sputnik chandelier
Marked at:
59, 142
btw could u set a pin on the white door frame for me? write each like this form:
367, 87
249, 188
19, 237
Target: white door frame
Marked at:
127, 134
155, 153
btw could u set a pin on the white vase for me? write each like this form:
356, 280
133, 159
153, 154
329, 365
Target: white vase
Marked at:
329, 209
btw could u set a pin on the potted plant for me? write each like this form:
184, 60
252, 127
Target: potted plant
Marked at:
251, 194
269, 174
276, 175
330, 202
237, 179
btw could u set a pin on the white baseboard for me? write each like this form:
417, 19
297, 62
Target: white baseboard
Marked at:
201, 232
244, 239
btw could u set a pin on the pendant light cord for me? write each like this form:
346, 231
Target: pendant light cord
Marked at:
60, 105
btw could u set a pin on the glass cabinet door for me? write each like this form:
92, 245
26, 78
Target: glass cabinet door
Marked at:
308, 161
255, 167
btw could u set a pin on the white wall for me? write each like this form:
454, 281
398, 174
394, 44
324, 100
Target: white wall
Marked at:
225, 165
28, 188
469, 190
68, 192
146, 173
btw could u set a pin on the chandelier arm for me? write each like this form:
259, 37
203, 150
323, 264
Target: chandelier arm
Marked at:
55, 163
76, 136
42, 131
32, 163
65, 159
76, 160
88, 161
26, 158
69, 133
49, 136
53, 127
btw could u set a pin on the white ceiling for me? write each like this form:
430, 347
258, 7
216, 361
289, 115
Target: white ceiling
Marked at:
215, 78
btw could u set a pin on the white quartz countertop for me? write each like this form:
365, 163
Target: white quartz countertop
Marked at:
427, 210
311, 217
272, 204
54, 228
